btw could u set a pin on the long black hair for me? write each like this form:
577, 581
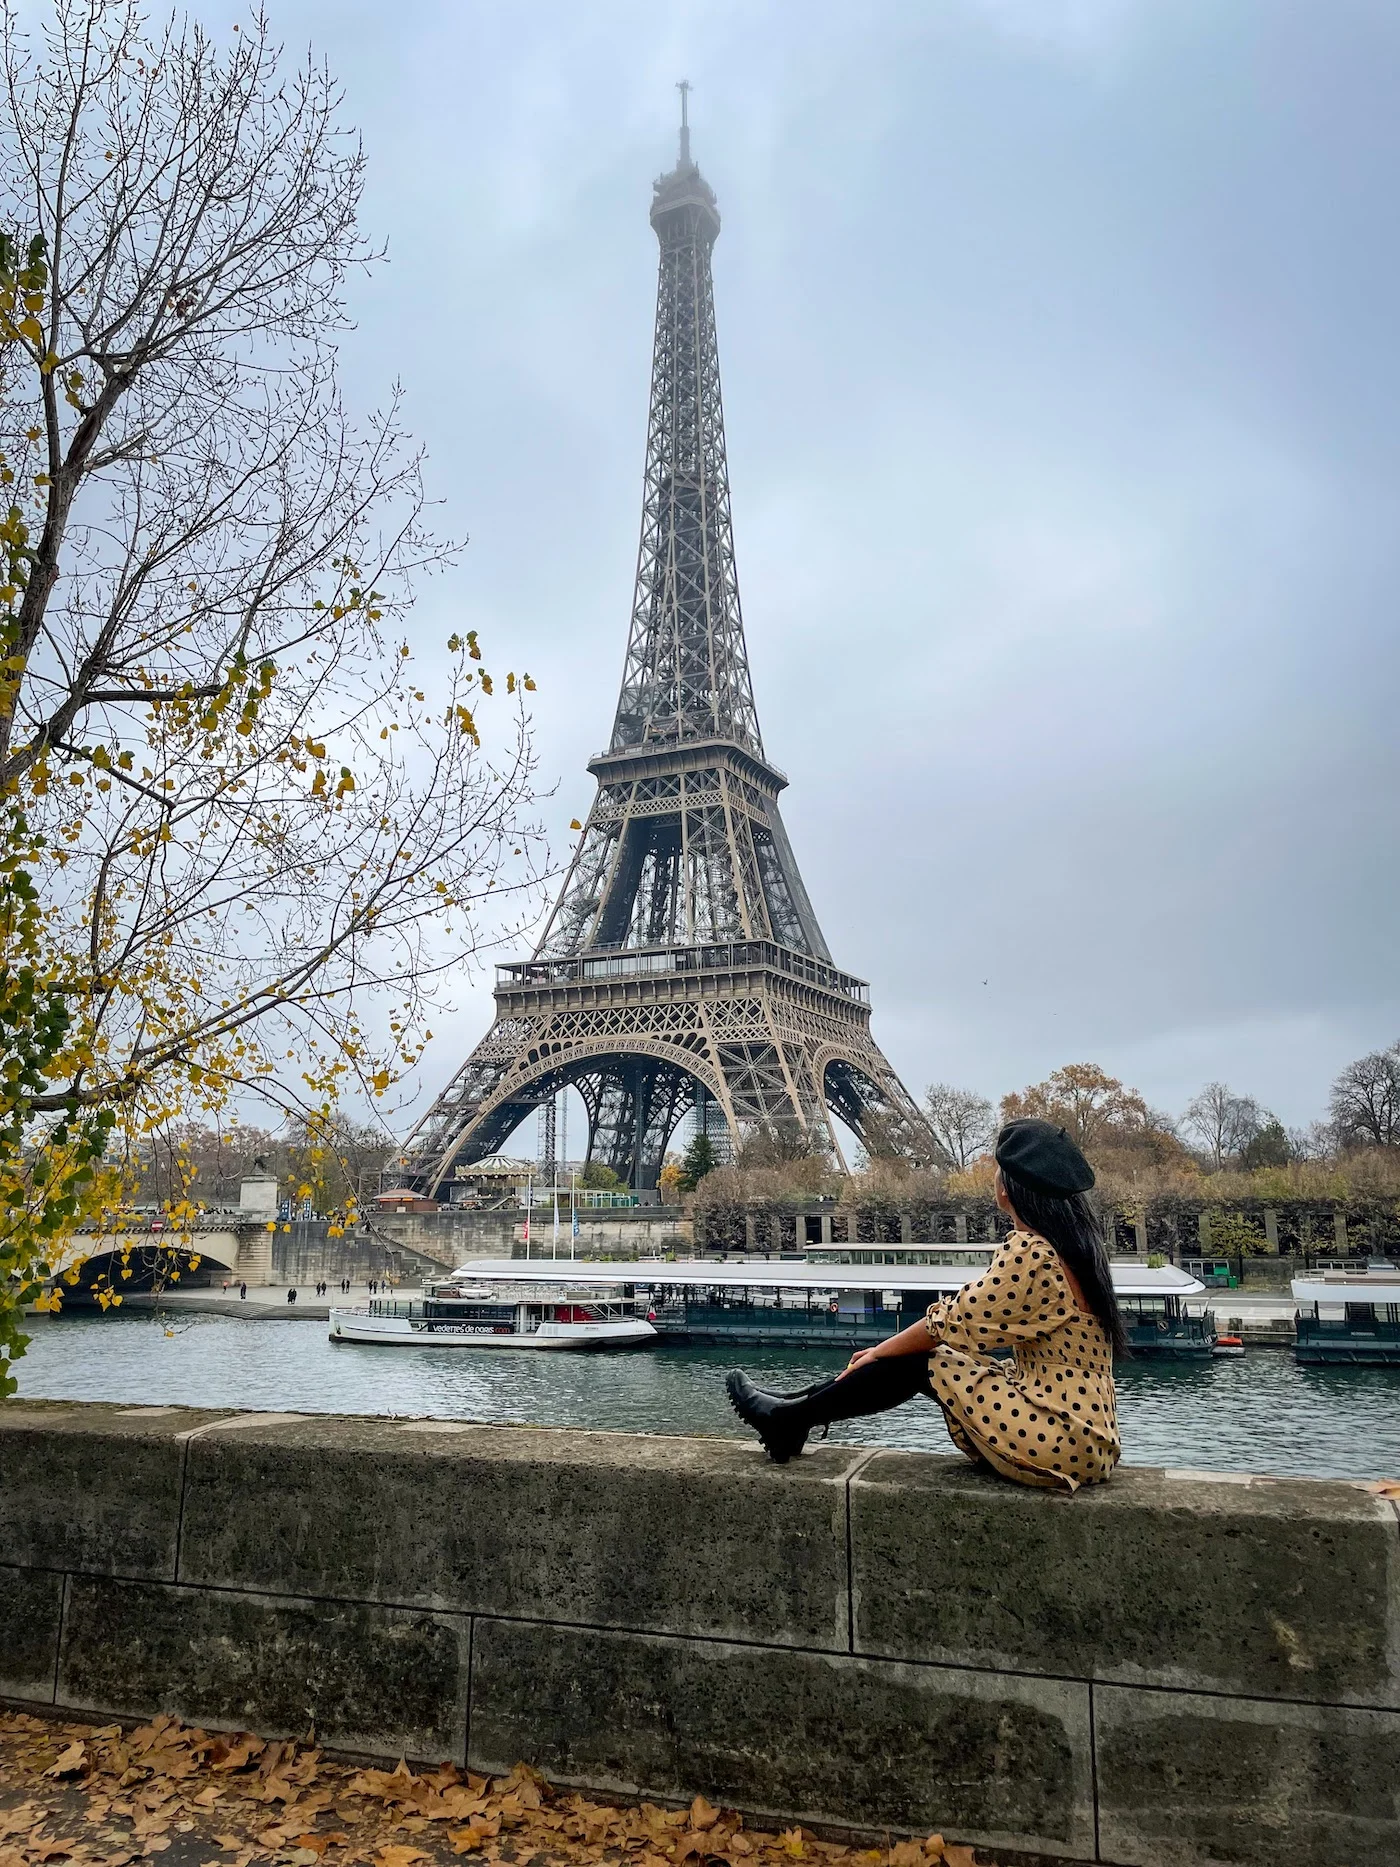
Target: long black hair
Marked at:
1072, 1226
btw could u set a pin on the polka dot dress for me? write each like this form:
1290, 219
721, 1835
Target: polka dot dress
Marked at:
1048, 1417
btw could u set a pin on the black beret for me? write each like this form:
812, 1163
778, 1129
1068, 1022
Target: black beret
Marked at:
1043, 1157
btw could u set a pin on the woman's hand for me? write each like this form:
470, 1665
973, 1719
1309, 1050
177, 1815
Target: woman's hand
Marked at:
915, 1340
863, 1355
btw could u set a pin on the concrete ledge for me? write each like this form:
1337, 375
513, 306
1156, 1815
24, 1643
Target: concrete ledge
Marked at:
281, 1667
92, 1487
686, 1536
1184, 1780
1287, 1587
31, 1613
1166, 1671
790, 1735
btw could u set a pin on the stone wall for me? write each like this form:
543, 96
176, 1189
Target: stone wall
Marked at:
1174, 1668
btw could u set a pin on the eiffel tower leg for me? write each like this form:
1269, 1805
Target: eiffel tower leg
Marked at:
635, 1104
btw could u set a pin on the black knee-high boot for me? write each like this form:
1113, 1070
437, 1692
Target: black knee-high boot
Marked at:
783, 1421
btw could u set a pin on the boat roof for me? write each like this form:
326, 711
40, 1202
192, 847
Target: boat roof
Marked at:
1129, 1280
1355, 1288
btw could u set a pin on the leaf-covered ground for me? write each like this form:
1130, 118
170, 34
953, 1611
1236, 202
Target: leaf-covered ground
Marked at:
83, 1795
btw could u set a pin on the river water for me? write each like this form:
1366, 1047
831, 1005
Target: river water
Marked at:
1259, 1414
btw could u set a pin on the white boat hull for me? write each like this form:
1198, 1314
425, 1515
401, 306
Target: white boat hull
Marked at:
412, 1332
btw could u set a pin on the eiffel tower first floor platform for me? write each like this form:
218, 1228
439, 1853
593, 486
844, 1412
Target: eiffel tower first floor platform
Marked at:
772, 1038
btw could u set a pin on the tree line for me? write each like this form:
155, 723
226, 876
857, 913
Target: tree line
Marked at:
1219, 1129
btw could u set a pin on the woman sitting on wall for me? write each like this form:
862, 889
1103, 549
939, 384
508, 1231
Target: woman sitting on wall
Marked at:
1047, 1416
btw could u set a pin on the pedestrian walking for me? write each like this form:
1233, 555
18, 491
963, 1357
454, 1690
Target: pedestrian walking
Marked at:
1047, 1418
242, 1291
291, 1296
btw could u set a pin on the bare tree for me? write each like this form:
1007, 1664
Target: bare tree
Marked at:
963, 1122
1318, 1141
260, 811
1224, 1122
231, 815
1365, 1101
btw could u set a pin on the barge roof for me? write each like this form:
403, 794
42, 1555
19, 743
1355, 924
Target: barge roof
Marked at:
1341, 1290
1129, 1280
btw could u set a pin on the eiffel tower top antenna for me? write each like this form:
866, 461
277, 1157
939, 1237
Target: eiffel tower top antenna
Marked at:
684, 88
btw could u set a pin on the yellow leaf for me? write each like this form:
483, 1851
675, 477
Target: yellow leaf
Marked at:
70, 1763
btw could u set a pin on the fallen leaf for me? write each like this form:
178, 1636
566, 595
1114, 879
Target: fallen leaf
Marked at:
955, 1856
481, 1828
456, 1805
243, 1750
395, 1856
70, 1763
933, 1847
790, 1841
702, 1816
208, 1798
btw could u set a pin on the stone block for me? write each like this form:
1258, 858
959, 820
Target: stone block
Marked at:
366, 1678
790, 1736
697, 1536
1287, 1586
1187, 1781
31, 1609
93, 1487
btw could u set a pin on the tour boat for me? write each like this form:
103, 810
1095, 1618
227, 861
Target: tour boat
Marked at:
752, 1302
1349, 1316
501, 1311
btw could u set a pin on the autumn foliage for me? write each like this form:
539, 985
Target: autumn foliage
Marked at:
105, 1796
248, 816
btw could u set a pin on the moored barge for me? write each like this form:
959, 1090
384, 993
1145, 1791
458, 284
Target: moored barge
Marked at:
823, 1301
1349, 1318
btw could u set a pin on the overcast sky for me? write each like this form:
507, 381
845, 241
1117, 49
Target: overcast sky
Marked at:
1059, 342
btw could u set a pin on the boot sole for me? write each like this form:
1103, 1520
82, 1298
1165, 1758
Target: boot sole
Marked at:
778, 1454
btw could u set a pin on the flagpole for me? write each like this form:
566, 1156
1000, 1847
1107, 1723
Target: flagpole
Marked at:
529, 1204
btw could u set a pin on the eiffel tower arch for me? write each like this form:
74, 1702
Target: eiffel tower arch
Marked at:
682, 962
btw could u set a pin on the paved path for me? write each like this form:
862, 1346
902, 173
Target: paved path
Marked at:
268, 1302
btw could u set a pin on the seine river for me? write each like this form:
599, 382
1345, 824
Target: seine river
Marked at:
1259, 1414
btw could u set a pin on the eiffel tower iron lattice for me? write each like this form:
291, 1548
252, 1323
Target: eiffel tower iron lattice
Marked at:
682, 965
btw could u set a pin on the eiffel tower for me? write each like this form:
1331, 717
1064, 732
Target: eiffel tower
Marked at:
682, 966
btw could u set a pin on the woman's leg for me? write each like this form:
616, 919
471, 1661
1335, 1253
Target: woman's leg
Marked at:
783, 1422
